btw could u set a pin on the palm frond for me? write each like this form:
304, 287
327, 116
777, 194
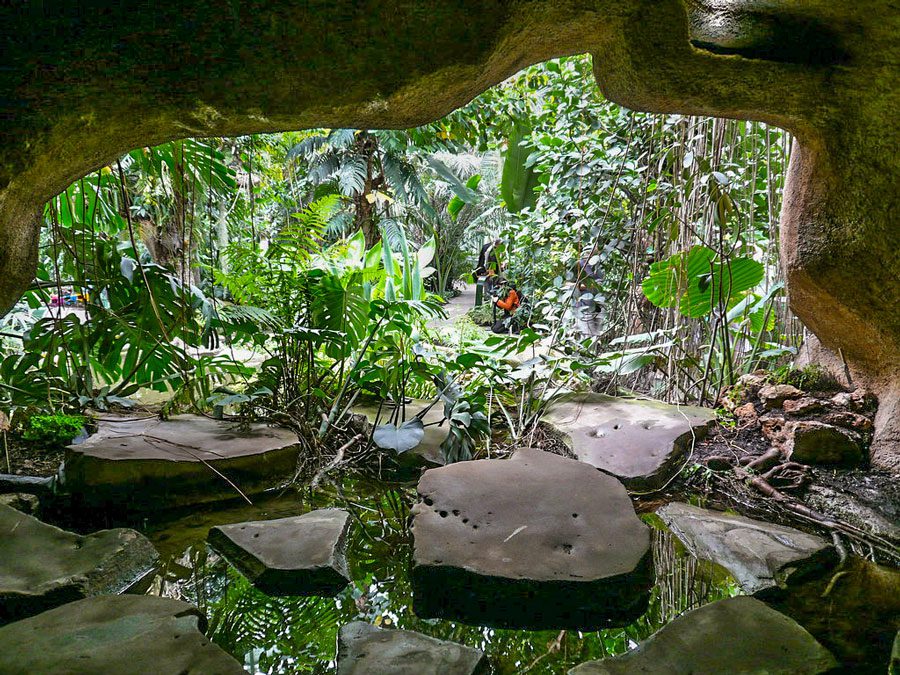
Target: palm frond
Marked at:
352, 176
341, 139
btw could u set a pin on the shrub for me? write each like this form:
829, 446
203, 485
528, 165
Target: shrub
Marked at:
53, 430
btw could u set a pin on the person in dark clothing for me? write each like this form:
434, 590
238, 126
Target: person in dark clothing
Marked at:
489, 263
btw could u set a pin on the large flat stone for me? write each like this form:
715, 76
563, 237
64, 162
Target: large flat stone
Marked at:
42, 566
762, 557
642, 443
737, 635
535, 541
134, 634
148, 464
300, 555
364, 649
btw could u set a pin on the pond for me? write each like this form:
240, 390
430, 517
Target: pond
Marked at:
299, 634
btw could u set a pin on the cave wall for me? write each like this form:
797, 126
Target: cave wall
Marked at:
82, 83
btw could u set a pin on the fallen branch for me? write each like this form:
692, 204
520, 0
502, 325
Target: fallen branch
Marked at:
769, 459
338, 458
762, 486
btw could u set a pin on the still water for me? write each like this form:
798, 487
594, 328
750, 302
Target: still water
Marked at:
299, 635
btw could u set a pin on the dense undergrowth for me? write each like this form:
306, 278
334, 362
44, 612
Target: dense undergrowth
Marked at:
291, 276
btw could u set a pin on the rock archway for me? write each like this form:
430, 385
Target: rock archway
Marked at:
81, 84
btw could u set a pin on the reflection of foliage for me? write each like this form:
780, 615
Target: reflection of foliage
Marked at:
275, 635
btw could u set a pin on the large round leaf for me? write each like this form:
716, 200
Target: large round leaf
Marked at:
402, 438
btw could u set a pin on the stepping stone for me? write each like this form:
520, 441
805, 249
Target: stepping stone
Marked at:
364, 649
148, 464
642, 443
763, 557
534, 542
301, 555
42, 566
428, 451
737, 635
114, 634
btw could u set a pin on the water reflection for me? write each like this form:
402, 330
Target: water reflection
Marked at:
299, 635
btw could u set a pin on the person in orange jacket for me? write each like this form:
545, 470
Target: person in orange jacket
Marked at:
511, 302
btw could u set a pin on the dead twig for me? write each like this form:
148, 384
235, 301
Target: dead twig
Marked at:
338, 458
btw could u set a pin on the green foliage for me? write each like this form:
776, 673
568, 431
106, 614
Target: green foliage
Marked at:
643, 244
52, 430
696, 282
812, 377
519, 177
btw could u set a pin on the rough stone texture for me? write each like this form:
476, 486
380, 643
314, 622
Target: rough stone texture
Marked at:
812, 442
868, 509
774, 395
21, 501
148, 464
737, 635
535, 541
42, 566
880, 379
301, 555
364, 649
746, 414
762, 557
642, 443
824, 70
744, 391
135, 634
802, 406
856, 400
849, 420
428, 451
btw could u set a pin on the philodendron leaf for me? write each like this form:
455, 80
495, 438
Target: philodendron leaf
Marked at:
400, 439
695, 281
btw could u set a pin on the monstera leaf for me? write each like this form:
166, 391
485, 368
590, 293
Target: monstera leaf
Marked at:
400, 439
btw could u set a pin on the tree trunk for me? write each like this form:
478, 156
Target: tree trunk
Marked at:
366, 217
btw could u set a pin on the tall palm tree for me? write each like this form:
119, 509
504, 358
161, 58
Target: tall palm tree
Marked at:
369, 168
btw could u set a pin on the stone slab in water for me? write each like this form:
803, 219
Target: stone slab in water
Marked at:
535, 542
737, 635
642, 443
42, 566
364, 649
300, 555
149, 464
428, 451
763, 557
135, 634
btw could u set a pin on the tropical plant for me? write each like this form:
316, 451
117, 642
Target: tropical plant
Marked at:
52, 430
369, 169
